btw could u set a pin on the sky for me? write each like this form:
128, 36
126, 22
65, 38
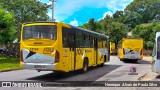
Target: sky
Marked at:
78, 12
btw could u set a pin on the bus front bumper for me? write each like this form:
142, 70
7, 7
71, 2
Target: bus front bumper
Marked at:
39, 66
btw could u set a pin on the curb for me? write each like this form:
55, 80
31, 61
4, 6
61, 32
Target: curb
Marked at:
9, 70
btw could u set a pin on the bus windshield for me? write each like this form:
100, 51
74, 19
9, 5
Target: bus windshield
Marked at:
40, 31
158, 47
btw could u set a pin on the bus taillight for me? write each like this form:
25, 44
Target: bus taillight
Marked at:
56, 57
21, 56
141, 52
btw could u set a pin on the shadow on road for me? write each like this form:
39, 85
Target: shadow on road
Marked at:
93, 74
136, 62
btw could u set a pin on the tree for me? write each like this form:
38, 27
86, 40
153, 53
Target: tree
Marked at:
85, 26
25, 11
107, 21
149, 9
117, 32
7, 28
92, 24
147, 32
132, 19
100, 27
119, 16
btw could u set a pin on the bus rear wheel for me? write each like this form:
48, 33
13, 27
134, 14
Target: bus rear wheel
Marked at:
102, 64
135, 60
85, 66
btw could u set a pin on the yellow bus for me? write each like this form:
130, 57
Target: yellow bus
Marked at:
130, 49
56, 46
112, 48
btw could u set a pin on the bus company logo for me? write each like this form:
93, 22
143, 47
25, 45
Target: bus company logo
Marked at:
6, 84
133, 70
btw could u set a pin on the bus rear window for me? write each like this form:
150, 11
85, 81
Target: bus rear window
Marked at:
40, 31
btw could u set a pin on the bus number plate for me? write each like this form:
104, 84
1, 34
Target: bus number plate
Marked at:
132, 57
39, 66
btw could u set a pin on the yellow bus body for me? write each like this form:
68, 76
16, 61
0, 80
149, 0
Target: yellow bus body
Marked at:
130, 49
60, 55
112, 48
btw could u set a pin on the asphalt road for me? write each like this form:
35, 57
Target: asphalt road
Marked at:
93, 74
115, 70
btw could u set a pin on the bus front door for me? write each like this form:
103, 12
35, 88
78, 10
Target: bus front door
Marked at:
72, 50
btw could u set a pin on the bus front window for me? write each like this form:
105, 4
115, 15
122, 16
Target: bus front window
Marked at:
40, 31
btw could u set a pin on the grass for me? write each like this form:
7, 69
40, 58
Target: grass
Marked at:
8, 63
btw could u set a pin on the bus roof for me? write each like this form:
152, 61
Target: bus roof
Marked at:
89, 31
40, 22
81, 29
132, 38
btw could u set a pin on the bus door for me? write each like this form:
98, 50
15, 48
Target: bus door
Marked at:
72, 50
95, 51
156, 55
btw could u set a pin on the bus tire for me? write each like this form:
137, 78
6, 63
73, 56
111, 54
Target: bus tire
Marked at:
102, 64
121, 59
136, 60
85, 66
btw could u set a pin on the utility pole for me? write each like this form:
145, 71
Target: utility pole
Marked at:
53, 9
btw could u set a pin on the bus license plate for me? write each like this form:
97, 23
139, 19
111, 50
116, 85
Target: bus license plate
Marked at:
39, 66
132, 57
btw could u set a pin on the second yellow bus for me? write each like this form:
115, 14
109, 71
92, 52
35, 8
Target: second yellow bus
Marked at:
130, 49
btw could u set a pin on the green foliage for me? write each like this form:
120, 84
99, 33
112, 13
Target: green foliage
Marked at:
147, 32
84, 26
119, 16
7, 28
26, 10
105, 24
8, 63
132, 19
117, 32
92, 24
149, 9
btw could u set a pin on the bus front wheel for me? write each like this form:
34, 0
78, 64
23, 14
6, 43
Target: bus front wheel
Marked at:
102, 64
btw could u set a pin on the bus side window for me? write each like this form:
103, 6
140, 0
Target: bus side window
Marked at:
90, 41
86, 41
65, 39
106, 44
79, 39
